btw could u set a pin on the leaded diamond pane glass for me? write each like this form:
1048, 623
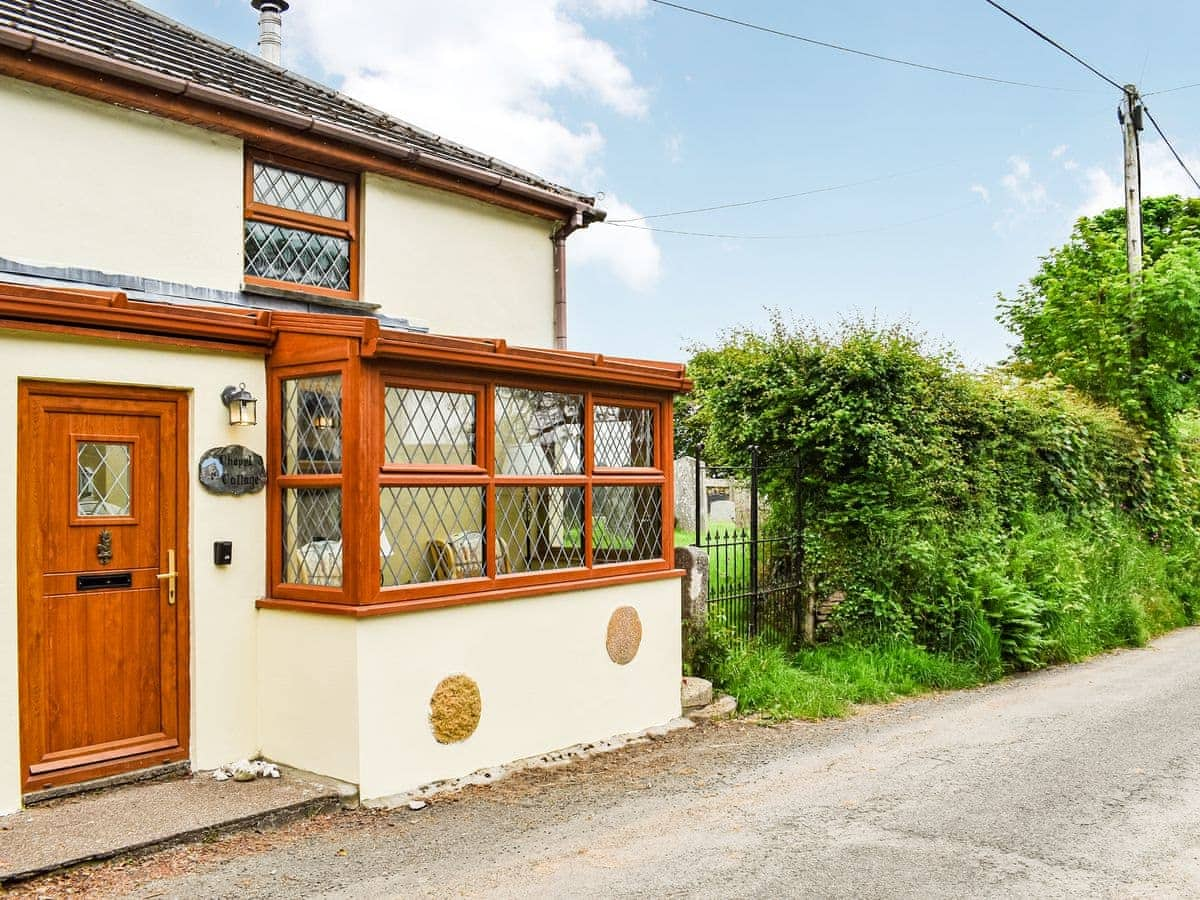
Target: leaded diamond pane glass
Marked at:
301, 257
296, 190
538, 432
623, 436
541, 527
626, 523
436, 427
312, 536
432, 534
105, 479
312, 425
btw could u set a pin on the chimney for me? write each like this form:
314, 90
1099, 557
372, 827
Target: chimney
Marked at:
270, 29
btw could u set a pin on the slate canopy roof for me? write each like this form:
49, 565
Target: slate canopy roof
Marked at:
130, 33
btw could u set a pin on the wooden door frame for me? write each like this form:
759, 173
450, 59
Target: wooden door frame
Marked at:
29, 579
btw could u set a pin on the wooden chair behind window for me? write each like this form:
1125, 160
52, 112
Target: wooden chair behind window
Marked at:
461, 556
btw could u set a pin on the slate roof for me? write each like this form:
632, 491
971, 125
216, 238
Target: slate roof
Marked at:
127, 31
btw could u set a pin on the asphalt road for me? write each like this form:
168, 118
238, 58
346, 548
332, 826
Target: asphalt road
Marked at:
1079, 781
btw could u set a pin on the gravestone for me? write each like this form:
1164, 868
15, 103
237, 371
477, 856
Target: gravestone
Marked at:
739, 494
721, 511
685, 495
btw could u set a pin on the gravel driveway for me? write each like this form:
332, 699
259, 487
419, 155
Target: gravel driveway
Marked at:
1078, 781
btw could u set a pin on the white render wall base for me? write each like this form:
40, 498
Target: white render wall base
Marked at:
541, 664
551, 759
307, 681
223, 618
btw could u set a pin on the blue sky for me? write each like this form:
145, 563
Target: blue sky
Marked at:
662, 111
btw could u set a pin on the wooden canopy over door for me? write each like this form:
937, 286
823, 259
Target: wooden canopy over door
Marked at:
103, 602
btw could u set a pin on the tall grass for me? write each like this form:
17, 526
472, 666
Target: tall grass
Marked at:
1055, 590
825, 682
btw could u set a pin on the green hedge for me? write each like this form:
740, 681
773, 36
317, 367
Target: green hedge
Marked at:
1008, 523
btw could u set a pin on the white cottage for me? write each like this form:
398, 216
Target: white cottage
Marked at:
299, 465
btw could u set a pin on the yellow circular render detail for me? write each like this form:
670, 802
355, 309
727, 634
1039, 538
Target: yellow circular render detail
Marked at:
624, 635
454, 709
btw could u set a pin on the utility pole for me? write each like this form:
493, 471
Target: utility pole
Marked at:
1129, 114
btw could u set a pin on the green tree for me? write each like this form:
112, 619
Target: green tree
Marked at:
1134, 345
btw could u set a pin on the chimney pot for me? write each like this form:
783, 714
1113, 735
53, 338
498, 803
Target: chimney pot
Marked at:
270, 29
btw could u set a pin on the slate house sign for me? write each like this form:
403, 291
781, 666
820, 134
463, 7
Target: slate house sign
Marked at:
232, 470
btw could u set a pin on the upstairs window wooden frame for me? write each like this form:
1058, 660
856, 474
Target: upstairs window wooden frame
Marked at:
347, 229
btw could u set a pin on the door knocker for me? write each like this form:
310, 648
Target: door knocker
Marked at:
104, 547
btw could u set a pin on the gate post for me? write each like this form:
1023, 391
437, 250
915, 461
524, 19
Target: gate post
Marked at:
804, 612
694, 600
754, 599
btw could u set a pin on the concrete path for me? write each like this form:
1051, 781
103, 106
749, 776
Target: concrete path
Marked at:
1080, 781
135, 817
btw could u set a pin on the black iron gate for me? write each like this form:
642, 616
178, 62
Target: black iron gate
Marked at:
756, 583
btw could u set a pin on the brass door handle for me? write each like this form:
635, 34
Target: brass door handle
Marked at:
169, 577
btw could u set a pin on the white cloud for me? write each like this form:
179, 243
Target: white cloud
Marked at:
983, 192
1103, 192
463, 69
1023, 197
1058, 151
1027, 191
633, 253
609, 8
674, 148
1161, 174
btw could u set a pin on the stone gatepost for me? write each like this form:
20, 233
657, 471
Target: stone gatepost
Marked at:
685, 496
694, 598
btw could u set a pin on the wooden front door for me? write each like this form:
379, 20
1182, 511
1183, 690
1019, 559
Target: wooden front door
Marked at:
102, 622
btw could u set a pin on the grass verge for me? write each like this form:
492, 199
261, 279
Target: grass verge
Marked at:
825, 681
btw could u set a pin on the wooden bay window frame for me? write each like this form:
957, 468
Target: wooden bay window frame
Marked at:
352, 430
369, 365
347, 229
392, 474
486, 475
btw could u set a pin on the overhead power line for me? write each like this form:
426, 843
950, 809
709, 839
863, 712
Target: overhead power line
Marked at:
864, 53
1130, 91
1182, 87
1170, 146
792, 237
1049, 40
777, 198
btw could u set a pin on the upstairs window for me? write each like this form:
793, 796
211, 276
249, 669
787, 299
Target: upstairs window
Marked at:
301, 227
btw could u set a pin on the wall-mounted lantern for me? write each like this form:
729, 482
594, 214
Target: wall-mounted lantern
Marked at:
243, 408
322, 410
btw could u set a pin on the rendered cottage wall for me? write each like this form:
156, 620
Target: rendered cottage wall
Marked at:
92, 186
223, 619
127, 193
542, 665
459, 266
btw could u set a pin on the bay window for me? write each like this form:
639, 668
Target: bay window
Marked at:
417, 471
